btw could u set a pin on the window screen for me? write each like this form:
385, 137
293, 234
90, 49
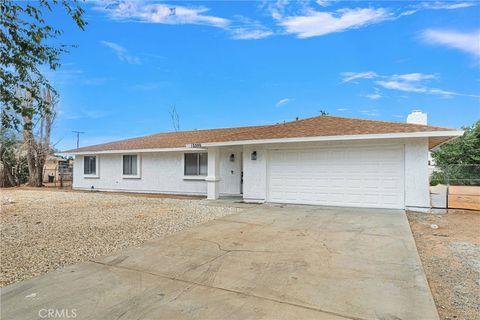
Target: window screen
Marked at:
130, 165
196, 164
90, 165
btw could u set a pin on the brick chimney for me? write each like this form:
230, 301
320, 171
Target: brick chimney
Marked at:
417, 117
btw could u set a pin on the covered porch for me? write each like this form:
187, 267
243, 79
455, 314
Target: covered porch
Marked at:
225, 173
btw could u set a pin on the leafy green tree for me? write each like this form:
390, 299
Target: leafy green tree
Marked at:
458, 161
27, 42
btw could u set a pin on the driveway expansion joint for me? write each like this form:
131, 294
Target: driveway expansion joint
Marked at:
173, 278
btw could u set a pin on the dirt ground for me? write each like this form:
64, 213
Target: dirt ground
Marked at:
43, 229
450, 255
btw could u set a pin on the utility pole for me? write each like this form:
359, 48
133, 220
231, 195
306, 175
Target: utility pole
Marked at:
78, 137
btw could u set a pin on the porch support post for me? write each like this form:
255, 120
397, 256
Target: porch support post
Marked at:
213, 177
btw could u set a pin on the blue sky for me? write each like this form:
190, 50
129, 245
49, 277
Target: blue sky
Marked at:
227, 63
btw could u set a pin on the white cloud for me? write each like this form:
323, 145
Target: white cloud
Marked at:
299, 18
407, 13
413, 76
374, 96
400, 85
317, 23
468, 42
350, 76
283, 101
406, 82
163, 13
246, 34
417, 88
248, 29
440, 5
240, 28
435, 5
307, 22
323, 3
342, 109
277, 9
121, 52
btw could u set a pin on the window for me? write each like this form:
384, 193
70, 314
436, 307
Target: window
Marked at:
90, 165
196, 164
130, 165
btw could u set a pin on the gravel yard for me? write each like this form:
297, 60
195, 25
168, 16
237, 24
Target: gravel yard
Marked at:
450, 255
44, 230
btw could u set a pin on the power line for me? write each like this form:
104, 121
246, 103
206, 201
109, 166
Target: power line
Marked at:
78, 137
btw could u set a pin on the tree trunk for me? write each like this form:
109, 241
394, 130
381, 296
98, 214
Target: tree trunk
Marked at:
7, 179
38, 151
31, 145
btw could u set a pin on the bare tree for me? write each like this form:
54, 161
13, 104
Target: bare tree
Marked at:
36, 135
174, 117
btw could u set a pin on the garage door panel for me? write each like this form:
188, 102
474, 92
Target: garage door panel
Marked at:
389, 184
366, 177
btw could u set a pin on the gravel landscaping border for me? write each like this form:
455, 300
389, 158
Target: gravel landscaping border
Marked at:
449, 247
43, 230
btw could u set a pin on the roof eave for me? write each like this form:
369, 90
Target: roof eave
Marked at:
425, 134
404, 135
129, 151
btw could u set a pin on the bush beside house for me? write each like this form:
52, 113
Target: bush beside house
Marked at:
458, 161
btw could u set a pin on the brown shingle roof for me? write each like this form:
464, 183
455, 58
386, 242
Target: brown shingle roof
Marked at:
310, 127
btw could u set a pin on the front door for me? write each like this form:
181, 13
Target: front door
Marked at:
231, 172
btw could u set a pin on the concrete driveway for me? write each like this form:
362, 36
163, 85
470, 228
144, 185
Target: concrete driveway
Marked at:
269, 262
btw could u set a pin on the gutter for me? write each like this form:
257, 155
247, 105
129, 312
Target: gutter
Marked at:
131, 151
428, 134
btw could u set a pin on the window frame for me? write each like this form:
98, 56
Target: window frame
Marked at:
196, 176
97, 167
131, 176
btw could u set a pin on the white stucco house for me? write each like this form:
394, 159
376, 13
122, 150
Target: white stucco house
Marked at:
322, 160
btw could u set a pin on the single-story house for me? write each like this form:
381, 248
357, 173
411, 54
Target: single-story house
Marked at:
323, 160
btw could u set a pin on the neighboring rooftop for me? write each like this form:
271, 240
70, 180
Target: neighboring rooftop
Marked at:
321, 126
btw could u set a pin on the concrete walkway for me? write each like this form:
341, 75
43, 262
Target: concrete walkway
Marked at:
270, 262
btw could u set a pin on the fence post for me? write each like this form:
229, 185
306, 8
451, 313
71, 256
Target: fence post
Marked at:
448, 184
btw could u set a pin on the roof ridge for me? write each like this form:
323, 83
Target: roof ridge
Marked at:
377, 120
193, 130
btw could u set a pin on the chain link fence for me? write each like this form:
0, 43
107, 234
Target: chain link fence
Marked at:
455, 186
456, 175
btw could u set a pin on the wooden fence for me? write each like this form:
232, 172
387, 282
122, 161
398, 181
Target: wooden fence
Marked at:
464, 197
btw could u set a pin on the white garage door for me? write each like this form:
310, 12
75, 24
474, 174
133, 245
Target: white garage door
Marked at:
357, 177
